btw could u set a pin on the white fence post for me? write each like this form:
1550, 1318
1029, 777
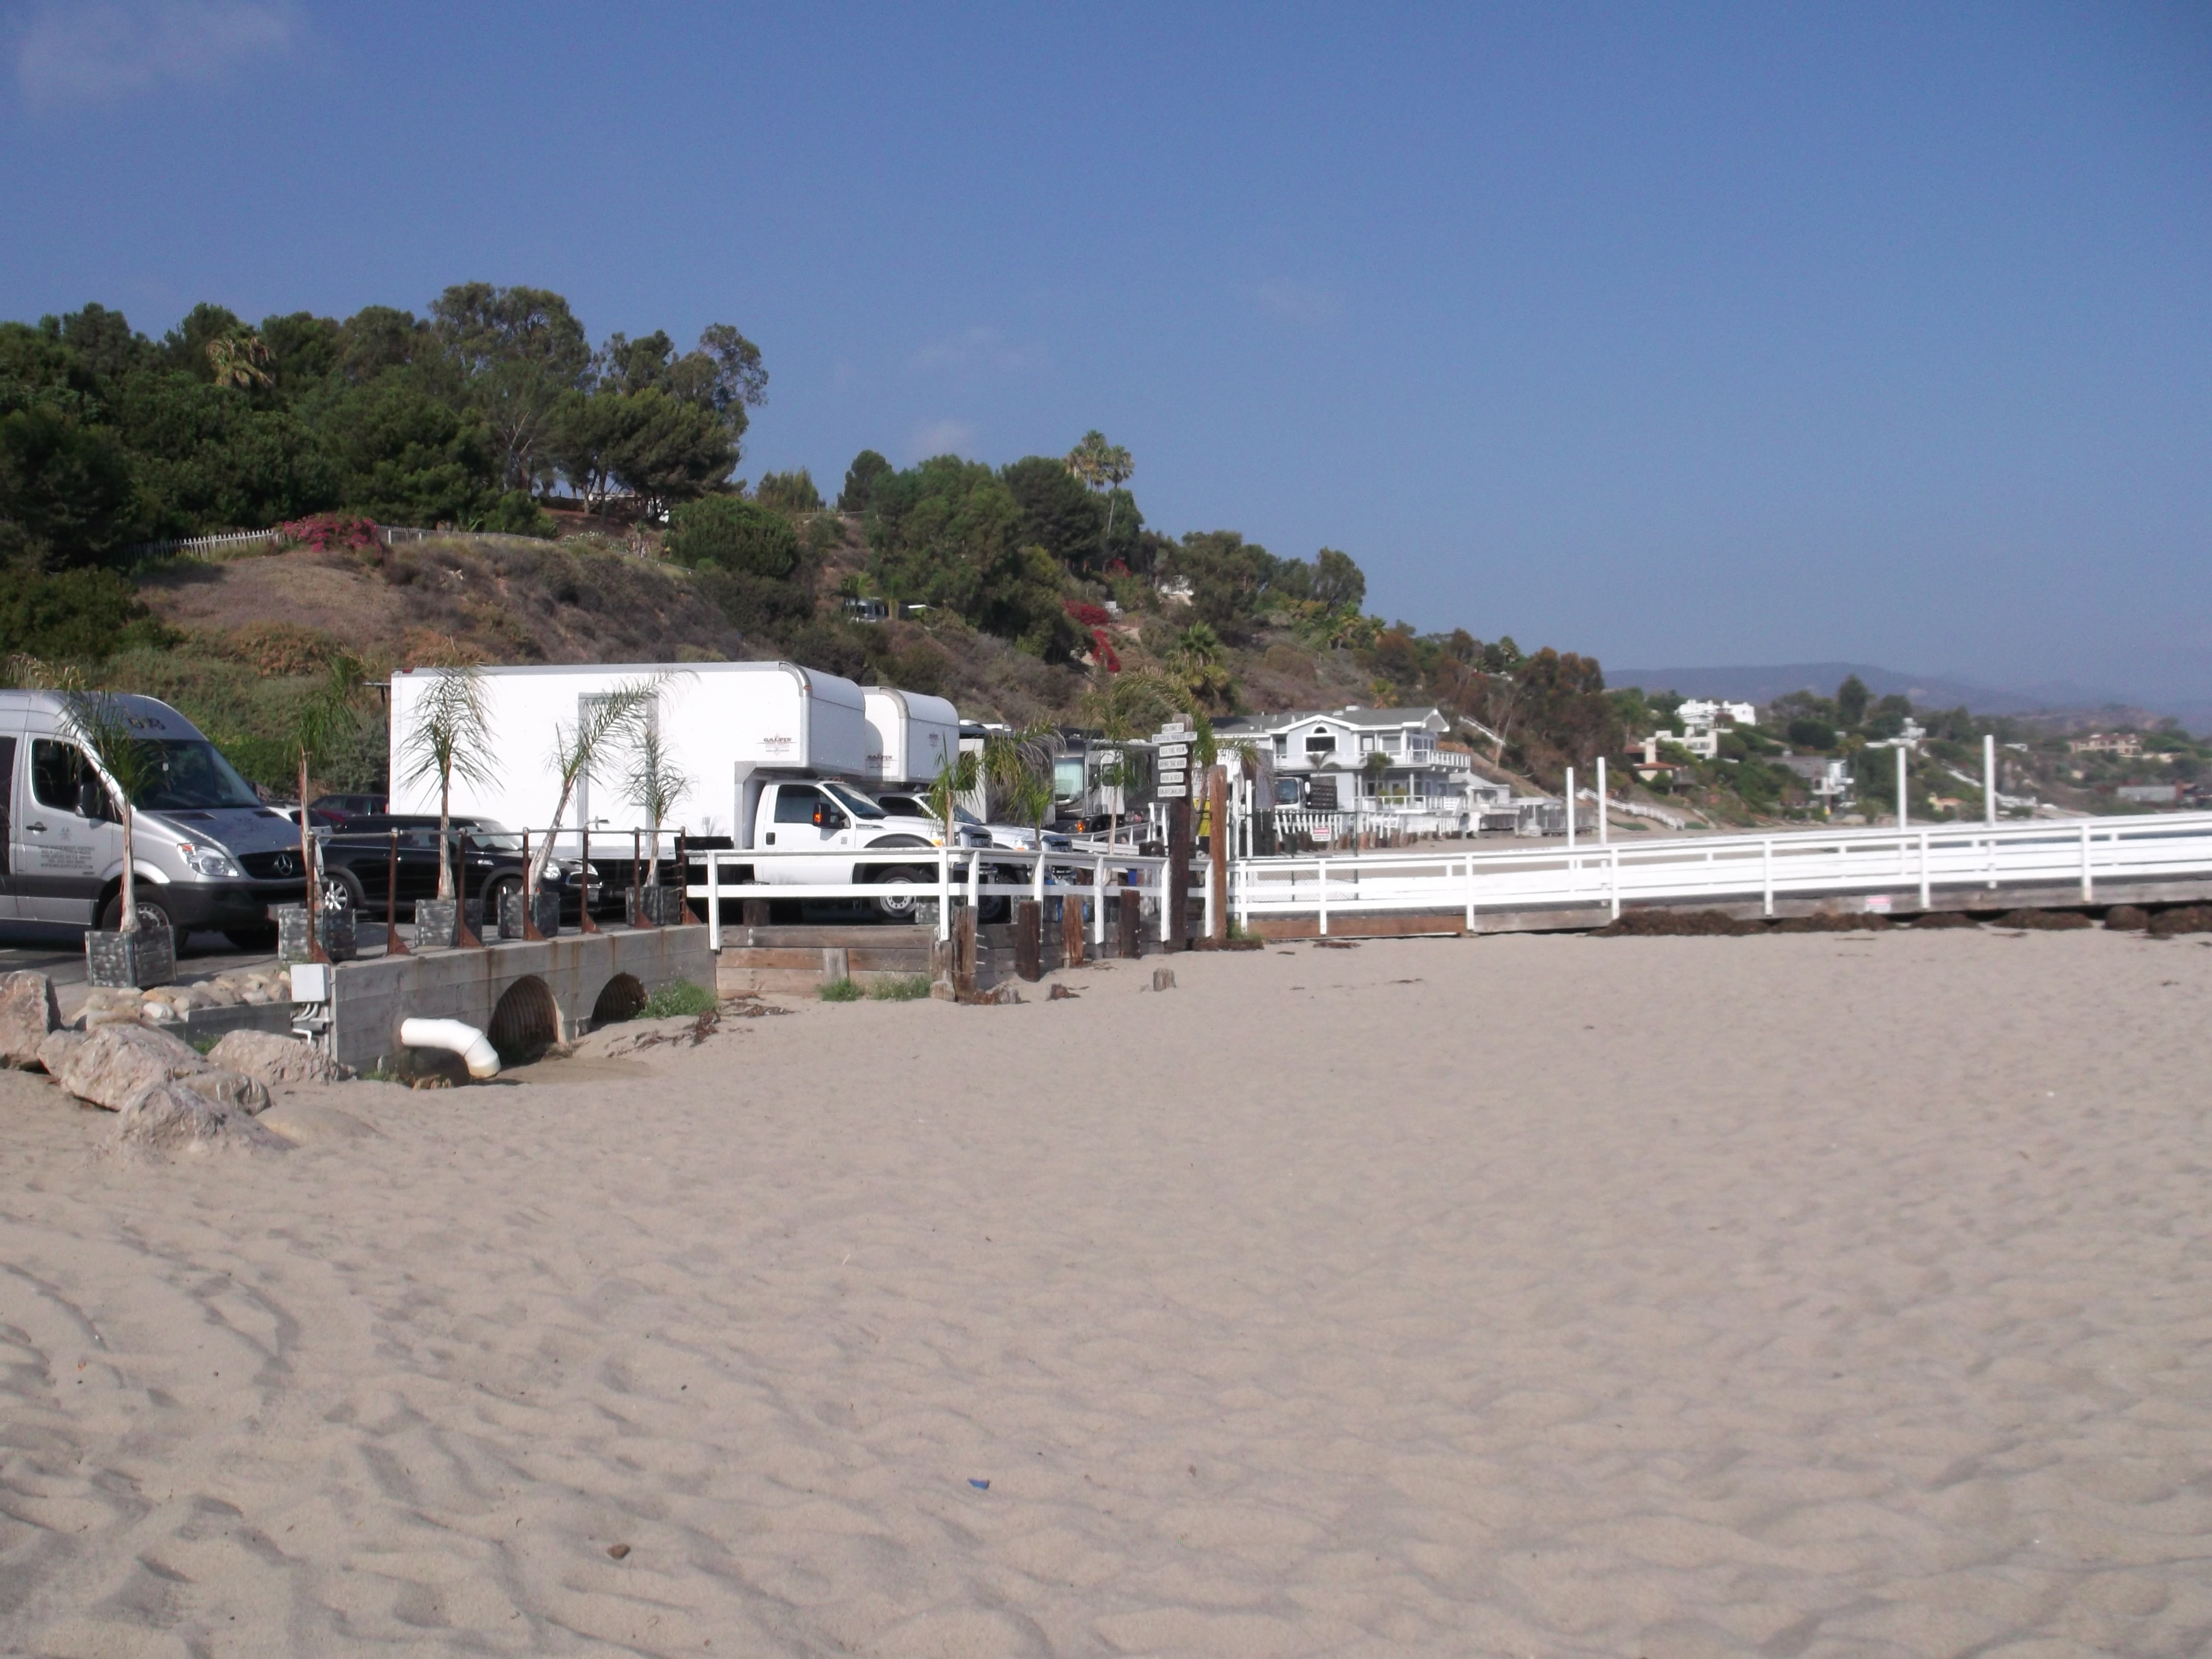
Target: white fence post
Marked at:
1098, 901
1990, 780
1767, 876
1570, 810
1902, 818
1613, 856
2087, 886
1470, 892
713, 900
944, 894
1602, 837
1924, 869
1324, 896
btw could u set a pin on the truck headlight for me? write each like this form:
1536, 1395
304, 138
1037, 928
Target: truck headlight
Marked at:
210, 861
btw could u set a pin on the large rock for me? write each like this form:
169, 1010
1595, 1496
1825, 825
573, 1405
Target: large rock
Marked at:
116, 1064
28, 1011
273, 1060
54, 1052
167, 1118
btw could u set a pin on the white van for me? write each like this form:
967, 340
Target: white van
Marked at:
210, 856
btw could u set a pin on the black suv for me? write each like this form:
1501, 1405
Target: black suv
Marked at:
357, 858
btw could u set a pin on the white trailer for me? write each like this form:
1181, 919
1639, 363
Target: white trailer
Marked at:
720, 723
911, 736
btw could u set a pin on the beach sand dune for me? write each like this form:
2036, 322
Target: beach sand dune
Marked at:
1815, 1295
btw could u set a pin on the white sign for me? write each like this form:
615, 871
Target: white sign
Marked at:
1173, 750
1172, 791
1177, 775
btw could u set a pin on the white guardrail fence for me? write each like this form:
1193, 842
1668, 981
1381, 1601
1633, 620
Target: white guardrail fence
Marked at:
963, 873
1974, 863
1967, 864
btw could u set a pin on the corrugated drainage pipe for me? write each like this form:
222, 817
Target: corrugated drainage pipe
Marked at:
455, 1036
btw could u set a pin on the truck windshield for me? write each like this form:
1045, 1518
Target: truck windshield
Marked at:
859, 805
186, 773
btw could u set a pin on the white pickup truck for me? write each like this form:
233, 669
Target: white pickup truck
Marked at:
857, 840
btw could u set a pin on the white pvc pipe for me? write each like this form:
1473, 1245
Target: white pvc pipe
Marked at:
457, 1037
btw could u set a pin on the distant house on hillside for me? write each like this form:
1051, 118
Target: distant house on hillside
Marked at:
1703, 721
1387, 768
2126, 745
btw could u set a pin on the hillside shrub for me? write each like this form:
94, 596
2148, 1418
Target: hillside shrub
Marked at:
739, 537
75, 616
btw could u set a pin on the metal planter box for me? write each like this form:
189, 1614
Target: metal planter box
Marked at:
663, 906
136, 960
435, 920
510, 915
340, 943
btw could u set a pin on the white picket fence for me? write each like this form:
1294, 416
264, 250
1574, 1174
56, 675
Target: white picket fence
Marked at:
1974, 865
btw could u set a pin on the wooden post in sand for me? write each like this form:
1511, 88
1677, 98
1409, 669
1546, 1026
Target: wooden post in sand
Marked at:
1128, 921
1029, 939
1175, 929
1071, 931
963, 954
1219, 844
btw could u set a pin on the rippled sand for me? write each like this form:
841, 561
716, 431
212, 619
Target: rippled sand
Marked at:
1789, 1296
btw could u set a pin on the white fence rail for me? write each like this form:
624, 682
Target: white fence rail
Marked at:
1973, 863
957, 874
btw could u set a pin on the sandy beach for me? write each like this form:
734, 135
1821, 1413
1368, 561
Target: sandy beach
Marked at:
1809, 1295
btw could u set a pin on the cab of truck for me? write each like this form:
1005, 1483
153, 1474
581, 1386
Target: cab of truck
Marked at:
853, 838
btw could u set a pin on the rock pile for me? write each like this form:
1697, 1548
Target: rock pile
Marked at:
272, 1059
168, 1005
28, 1011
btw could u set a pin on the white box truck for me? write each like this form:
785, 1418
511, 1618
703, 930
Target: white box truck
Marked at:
911, 736
773, 753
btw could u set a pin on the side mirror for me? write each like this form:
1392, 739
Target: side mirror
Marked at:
827, 817
91, 799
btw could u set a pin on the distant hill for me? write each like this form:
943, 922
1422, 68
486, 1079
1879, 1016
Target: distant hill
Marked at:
1926, 690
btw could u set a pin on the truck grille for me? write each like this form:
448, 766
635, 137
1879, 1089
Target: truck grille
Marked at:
270, 867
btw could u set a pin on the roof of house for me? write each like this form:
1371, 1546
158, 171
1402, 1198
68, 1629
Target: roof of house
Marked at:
1352, 716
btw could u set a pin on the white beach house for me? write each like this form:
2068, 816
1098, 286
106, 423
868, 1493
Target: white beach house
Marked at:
1340, 770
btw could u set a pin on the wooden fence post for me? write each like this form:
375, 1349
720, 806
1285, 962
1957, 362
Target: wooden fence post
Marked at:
1176, 934
1029, 939
964, 960
1071, 931
1129, 921
1219, 845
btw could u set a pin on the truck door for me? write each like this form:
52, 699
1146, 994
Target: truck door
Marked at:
64, 852
802, 817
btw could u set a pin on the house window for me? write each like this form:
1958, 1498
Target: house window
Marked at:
1282, 746
1320, 742
1366, 743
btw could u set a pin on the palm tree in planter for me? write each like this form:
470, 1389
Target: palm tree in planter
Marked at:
136, 953
654, 785
325, 718
451, 740
605, 719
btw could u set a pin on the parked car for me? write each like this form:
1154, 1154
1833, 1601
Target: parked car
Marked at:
358, 858
343, 809
210, 856
1018, 836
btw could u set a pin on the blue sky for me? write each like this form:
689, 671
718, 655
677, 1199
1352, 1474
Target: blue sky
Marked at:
1680, 334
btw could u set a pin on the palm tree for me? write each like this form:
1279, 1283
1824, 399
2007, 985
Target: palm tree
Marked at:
452, 739
103, 725
1103, 467
324, 717
654, 785
1124, 708
607, 719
